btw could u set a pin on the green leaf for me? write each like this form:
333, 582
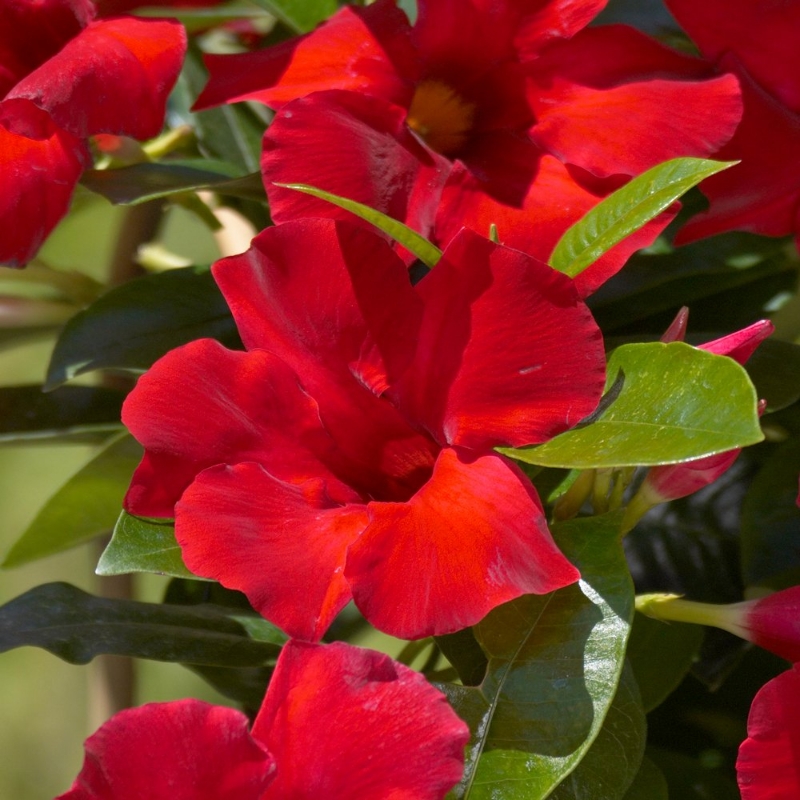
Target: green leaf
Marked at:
678, 403
661, 655
199, 20
612, 762
301, 16
86, 506
775, 371
555, 662
427, 253
649, 783
140, 183
76, 627
140, 545
133, 325
627, 210
690, 779
462, 650
27, 413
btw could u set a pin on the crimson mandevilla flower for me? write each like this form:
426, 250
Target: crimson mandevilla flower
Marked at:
757, 41
517, 115
337, 722
63, 78
349, 451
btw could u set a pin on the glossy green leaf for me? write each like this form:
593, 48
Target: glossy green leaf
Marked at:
427, 253
140, 183
649, 783
133, 325
661, 655
611, 764
86, 506
301, 16
72, 412
555, 662
76, 627
140, 545
627, 210
677, 403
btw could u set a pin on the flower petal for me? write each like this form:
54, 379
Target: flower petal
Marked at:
130, 63
348, 723
184, 750
768, 767
40, 165
547, 21
472, 538
740, 345
364, 50
282, 544
507, 352
202, 405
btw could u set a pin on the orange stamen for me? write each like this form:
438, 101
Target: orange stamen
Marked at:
440, 117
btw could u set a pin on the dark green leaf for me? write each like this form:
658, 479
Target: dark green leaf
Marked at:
427, 253
661, 655
200, 19
690, 779
133, 325
140, 183
462, 650
301, 16
775, 371
668, 411
86, 506
243, 685
554, 665
649, 783
76, 627
140, 545
27, 413
627, 210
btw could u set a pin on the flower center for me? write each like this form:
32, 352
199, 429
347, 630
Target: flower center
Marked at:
440, 116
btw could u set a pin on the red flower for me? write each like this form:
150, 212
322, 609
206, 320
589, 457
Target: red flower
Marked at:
337, 722
349, 451
757, 41
62, 79
768, 767
514, 116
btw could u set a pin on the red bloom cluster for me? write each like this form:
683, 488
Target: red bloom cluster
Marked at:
337, 722
517, 115
757, 41
64, 77
349, 452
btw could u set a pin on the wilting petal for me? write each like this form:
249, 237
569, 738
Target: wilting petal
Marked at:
131, 64
184, 750
39, 168
282, 544
202, 405
507, 352
363, 50
473, 537
354, 146
347, 723
580, 111
768, 767
761, 33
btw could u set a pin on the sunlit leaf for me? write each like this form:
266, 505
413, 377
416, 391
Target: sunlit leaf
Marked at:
554, 664
86, 506
627, 210
678, 403
418, 245
301, 16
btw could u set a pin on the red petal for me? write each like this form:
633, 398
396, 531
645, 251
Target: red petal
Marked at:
347, 723
768, 767
202, 405
762, 193
184, 750
365, 50
763, 36
472, 538
680, 480
773, 622
742, 344
356, 147
553, 20
480, 379
282, 544
130, 63
39, 168
603, 120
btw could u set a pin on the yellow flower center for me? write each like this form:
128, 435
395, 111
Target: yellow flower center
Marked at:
440, 117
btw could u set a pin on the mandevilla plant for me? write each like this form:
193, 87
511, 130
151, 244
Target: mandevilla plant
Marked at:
431, 376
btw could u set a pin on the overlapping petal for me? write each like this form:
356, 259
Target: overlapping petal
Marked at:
478, 528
